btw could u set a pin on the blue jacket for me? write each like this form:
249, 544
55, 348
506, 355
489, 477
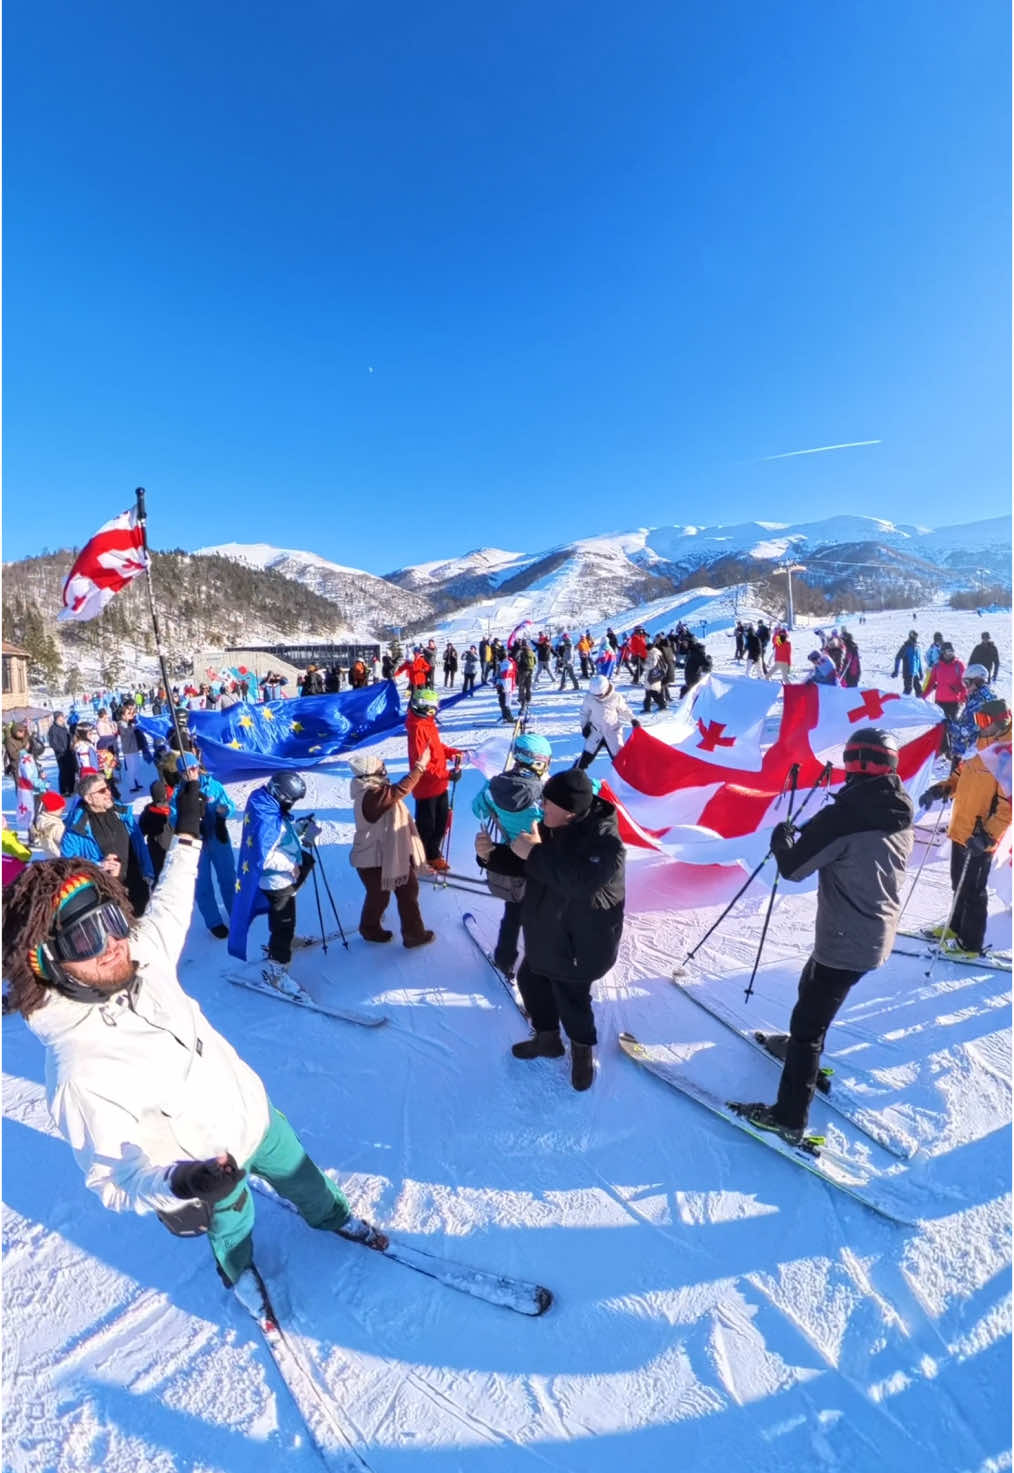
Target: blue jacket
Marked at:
513, 800
909, 657
77, 841
962, 730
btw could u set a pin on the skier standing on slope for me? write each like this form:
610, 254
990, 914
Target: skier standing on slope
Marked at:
469, 666
909, 661
161, 1113
572, 863
431, 803
859, 847
986, 654
512, 800
603, 715
275, 858
979, 820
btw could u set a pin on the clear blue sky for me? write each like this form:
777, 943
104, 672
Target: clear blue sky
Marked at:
601, 258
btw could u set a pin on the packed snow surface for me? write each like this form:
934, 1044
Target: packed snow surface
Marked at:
717, 1308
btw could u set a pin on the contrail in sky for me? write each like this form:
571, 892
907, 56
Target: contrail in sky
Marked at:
819, 449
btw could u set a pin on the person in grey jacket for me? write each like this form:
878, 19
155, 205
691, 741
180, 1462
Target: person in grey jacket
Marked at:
859, 847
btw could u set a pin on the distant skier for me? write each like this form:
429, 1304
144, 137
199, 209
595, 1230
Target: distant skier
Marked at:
945, 681
162, 1114
823, 671
506, 676
986, 654
512, 802
859, 847
469, 668
909, 661
851, 669
604, 713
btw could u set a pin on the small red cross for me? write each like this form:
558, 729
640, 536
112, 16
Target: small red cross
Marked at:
873, 704
711, 736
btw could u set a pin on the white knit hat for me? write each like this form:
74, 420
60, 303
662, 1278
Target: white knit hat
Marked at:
365, 764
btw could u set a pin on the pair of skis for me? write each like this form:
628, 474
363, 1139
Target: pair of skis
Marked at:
485, 950
926, 945
310, 1395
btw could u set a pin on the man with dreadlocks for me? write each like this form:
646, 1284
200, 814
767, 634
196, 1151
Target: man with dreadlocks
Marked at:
162, 1114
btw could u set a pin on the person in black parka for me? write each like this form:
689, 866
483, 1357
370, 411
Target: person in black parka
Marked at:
572, 863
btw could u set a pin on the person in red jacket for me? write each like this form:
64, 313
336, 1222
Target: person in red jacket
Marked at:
431, 805
637, 653
946, 680
417, 669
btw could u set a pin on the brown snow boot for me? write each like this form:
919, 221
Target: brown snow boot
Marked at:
548, 1045
582, 1065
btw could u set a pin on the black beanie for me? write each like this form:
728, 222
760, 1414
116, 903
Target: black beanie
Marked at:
571, 790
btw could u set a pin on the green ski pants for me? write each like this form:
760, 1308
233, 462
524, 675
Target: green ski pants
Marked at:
280, 1160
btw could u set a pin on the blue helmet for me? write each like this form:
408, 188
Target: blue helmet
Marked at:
534, 751
287, 788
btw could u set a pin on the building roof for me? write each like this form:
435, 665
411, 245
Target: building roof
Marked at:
14, 649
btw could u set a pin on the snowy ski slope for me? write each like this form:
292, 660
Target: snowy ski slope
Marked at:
716, 1308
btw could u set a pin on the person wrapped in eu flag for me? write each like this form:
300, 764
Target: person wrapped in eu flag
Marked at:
276, 855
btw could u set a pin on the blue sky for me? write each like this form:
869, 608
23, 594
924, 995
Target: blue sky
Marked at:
394, 281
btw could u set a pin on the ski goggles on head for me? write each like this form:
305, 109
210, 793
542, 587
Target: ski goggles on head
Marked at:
88, 935
985, 718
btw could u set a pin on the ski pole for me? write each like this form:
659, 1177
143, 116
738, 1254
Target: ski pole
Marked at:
928, 846
794, 778
938, 950
320, 913
446, 845
739, 893
327, 887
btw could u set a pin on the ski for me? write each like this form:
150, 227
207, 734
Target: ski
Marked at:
312, 1400
500, 1290
471, 925
929, 950
839, 1099
815, 1157
480, 891
304, 943
304, 1000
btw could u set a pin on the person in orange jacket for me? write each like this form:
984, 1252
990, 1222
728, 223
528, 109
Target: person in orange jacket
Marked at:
980, 818
431, 803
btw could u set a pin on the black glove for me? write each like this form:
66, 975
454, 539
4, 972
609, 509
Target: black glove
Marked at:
188, 809
635, 723
586, 731
454, 775
979, 842
209, 1181
781, 836
932, 795
221, 832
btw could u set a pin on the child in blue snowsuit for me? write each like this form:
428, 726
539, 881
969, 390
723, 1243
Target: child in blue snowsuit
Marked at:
513, 801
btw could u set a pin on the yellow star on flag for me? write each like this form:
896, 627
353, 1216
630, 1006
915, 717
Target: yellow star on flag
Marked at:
268, 715
238, 887
246, 866
297, 726
316, 748
238, 747
245, 721
249, 843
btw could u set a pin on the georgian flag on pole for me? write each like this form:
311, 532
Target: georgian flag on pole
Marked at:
104, 566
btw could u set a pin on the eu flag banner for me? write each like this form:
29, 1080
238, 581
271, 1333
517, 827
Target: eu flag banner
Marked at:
248, 741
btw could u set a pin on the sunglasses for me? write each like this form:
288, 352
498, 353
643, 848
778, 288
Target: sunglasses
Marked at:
985, 719
88, 936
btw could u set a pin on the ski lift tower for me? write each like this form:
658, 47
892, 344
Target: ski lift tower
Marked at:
791, 568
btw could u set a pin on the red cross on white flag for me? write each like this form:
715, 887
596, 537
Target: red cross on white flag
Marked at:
104, 566
721, 721
842, 711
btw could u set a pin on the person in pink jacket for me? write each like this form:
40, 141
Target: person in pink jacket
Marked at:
945, 682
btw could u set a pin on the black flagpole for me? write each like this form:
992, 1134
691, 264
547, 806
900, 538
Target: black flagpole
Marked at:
142, 518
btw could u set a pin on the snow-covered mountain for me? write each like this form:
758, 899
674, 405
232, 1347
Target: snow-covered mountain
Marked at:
366, 603
596, 578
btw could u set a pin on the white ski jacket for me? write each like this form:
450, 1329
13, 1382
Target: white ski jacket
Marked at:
606, 715
142, 1081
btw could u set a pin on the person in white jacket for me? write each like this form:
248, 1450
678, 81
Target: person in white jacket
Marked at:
604, 713
162, 1114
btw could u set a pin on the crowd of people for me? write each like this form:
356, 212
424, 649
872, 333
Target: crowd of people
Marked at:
94, 931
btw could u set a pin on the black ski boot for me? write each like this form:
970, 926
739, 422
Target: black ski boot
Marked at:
548, 1045
582, 1065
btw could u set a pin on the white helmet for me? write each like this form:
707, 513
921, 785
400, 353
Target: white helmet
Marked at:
600, 685
976, 672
